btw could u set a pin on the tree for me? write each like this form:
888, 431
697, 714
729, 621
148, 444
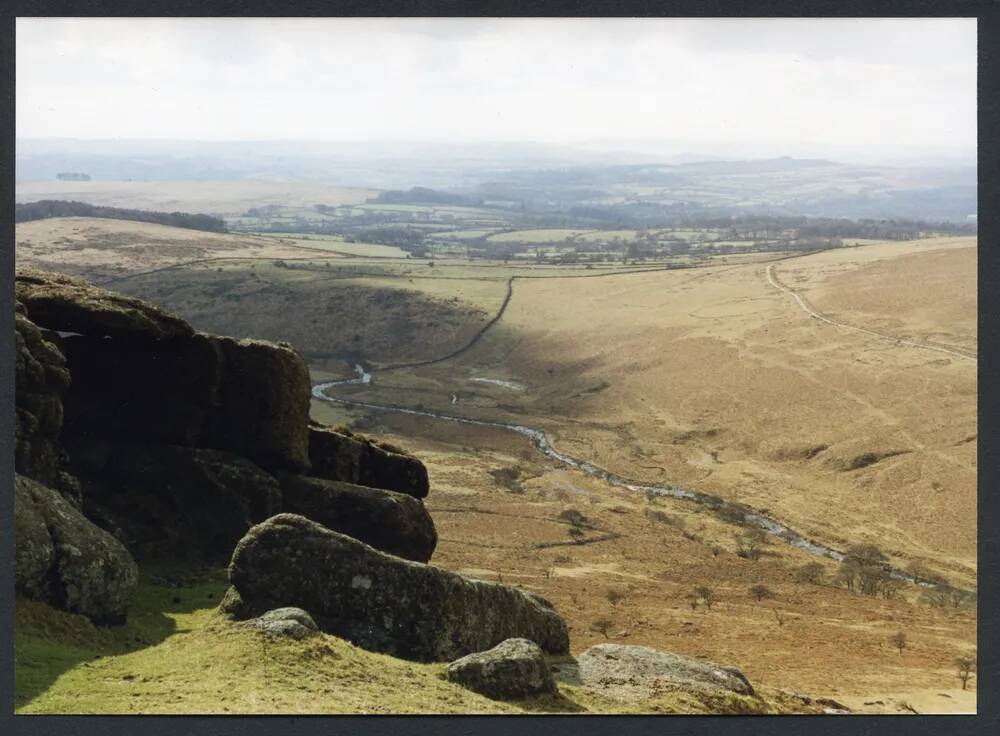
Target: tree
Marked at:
865, 569
966, 665
960, 598
811, 572
938, 596
898, 640
614, 596
602, 626
760, 592
705, 594
749, 544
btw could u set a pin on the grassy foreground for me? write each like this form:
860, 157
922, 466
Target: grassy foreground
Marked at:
175, 655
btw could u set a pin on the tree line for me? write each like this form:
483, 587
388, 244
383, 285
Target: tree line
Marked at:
46, 208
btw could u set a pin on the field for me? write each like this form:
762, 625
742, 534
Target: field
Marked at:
103, 249
226, 198
713, 377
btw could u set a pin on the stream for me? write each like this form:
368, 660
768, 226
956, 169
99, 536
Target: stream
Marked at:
541, 443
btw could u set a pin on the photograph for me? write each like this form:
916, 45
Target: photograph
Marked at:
495, 366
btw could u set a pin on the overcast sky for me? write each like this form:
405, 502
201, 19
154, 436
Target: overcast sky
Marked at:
843, 82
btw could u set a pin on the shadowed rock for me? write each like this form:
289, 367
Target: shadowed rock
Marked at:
156, 380
380, 602
40, 380
264, 404
244, 396
338, 455
642, 672
68, 304
160, 392
183, 502
63, 559
388, 521
514, 668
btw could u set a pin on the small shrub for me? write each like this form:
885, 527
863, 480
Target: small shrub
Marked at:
576, 534
898, 641
602, 626
574, 517
760, 592
509, 478
706, 595
661, 517
732, 513
750, 544
811, 572
614, 596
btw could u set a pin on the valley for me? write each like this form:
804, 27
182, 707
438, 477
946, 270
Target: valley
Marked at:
794, 386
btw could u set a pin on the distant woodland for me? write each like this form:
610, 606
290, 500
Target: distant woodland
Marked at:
60, 208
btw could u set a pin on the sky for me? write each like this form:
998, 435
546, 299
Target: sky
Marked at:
793, 83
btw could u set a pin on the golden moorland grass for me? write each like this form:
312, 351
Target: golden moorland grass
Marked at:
710, 378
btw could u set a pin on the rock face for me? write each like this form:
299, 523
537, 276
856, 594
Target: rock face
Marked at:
156, 380
388, 521
263, 410
337, 455
65, 560
172, 439
69, 304
378, 601
40, 380
180, 502
244, 396
514, 668
641, 671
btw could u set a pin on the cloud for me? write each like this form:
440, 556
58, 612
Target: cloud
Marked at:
839, 81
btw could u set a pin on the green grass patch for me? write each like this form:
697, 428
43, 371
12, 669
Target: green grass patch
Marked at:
176, 655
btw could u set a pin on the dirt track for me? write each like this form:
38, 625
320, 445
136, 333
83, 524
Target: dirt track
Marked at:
808, 309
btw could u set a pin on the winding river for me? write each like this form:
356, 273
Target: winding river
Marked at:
541, 443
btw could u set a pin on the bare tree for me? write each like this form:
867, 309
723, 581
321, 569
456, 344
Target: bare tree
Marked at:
779, 617
938, 596
960, 598
966, 665
898, 640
